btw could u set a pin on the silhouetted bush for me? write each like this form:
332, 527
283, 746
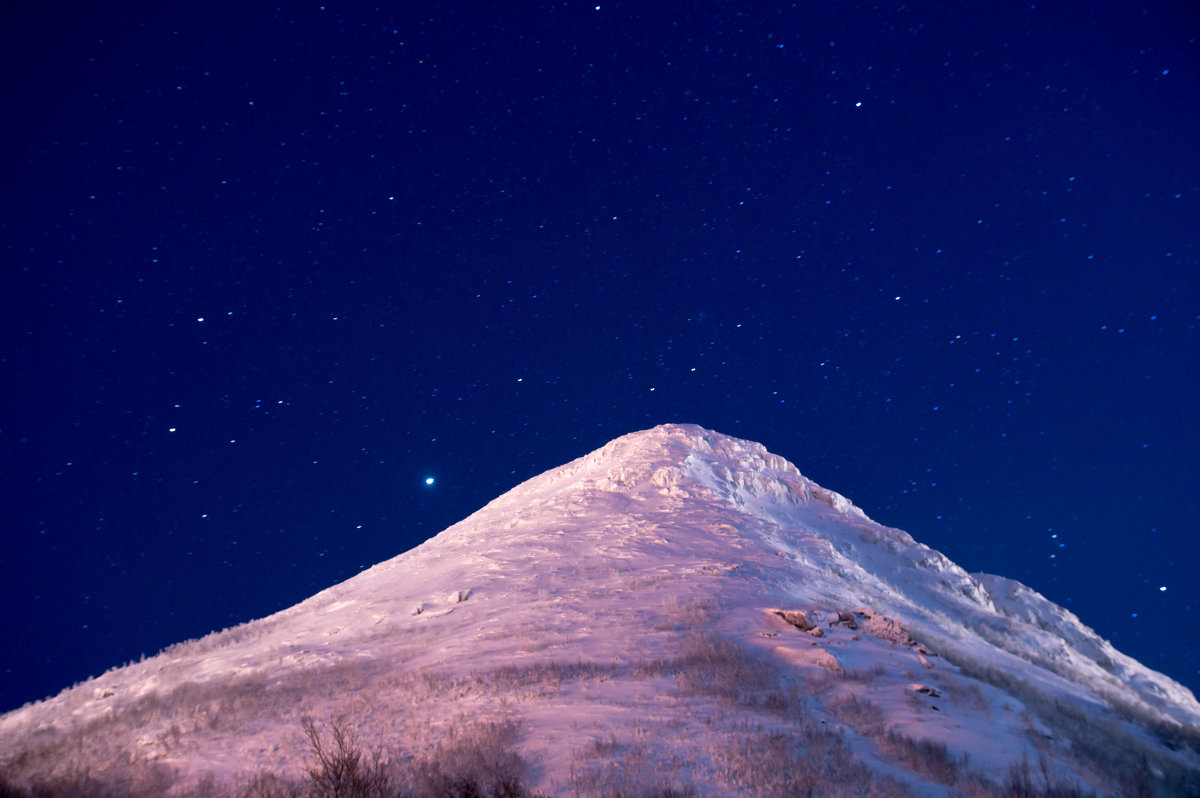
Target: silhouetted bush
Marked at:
271, 785
922, 756
339, 768
10, 790
478, 762
145, 782
1024, 781
810, 762
861, 714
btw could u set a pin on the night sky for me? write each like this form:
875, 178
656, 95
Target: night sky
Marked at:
267, 270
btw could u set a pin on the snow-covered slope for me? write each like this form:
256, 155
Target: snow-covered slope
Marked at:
679, 608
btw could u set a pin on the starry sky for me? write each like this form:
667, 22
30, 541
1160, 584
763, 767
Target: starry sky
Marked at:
268, 270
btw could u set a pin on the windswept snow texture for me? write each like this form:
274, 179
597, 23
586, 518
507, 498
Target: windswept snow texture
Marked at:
597, 605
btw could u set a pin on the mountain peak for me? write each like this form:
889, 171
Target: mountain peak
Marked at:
667, 457
673, 575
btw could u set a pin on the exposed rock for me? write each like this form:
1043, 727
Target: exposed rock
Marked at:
888, 629
846, 619
797, 618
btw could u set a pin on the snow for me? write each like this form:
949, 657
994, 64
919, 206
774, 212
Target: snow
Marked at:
571, 603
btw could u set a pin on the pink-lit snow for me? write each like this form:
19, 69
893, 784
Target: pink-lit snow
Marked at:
572, 603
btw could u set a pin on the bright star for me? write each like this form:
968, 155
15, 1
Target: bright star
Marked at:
429, 480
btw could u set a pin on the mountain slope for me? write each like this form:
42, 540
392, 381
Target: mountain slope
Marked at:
677, 607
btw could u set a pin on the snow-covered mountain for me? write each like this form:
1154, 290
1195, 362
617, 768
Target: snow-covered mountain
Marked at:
676, 610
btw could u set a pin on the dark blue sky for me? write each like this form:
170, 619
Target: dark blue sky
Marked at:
266, 270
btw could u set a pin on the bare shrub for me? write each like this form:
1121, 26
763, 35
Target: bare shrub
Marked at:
149, 781
478, 762
207, 787
1099, 741
863, 676
923, 756
1025, 782
271, 785
713, 665
214, 640
636, 773
338, 768
552, 673
811, 762
688, 616
10, 790
860, 714
606, 747
973, 693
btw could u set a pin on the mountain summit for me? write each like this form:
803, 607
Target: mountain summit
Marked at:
678, 610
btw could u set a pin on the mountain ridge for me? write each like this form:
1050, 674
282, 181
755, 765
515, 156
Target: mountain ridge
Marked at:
660, 544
